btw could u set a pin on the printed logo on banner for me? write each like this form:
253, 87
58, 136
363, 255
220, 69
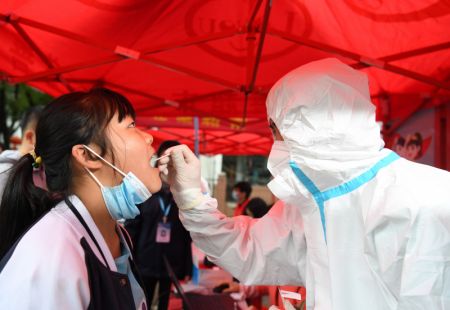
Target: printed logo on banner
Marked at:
204, 18
414, 139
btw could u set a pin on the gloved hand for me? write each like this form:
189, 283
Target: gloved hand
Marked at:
181, 170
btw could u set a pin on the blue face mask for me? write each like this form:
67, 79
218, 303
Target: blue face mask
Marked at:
121, 200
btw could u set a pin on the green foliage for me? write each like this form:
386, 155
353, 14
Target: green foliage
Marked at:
14, 101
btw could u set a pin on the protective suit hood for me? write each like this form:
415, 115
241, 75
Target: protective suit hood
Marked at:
324, 113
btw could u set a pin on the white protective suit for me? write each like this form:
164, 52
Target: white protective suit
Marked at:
361, 227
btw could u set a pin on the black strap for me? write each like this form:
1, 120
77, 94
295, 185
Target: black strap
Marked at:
187, 305
91, 235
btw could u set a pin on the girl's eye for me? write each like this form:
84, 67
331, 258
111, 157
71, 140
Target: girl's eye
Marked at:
132, 125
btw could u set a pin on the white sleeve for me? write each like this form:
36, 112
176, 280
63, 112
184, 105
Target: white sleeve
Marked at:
270, 250
45, 276
4, 174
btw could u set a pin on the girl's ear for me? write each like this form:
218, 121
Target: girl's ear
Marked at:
81, 156
30, 136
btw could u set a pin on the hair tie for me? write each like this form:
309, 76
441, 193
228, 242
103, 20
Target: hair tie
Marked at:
37, 160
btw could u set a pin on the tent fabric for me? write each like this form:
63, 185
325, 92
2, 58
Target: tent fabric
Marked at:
218, 58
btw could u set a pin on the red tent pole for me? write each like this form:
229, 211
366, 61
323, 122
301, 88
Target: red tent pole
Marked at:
411, 53
253, 16
395, 126
65, 69
192, 73
259, 50
23, 34
54, 30
360, 58
414, 111
262, 36
108, 59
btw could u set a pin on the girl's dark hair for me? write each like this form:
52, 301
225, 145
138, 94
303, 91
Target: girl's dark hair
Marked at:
75, 118
165, 145
244, 187
416, 140
258, 207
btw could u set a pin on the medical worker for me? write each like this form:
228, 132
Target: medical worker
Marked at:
360, 227
63, 249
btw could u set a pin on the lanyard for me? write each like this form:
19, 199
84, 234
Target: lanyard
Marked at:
165, 210
244, 204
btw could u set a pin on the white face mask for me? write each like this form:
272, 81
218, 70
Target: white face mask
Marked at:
278, 158
234, 196
278, 165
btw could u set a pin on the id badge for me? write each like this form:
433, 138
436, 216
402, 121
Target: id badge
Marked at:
290, 300
163, 233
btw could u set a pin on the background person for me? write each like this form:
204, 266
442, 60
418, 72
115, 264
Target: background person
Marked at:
256, 208
241, 194
150, 248
399, 146
9, 157
414, 145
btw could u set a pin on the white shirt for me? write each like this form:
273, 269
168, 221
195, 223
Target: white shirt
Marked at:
47, 269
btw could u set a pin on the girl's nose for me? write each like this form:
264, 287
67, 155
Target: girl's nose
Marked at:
148, 138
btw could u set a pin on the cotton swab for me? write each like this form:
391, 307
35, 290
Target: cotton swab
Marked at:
162, 157
154, 160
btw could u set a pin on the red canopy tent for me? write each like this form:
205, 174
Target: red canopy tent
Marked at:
216, 59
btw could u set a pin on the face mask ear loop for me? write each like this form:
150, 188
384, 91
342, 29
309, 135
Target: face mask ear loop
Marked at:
94, 177
105, 161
